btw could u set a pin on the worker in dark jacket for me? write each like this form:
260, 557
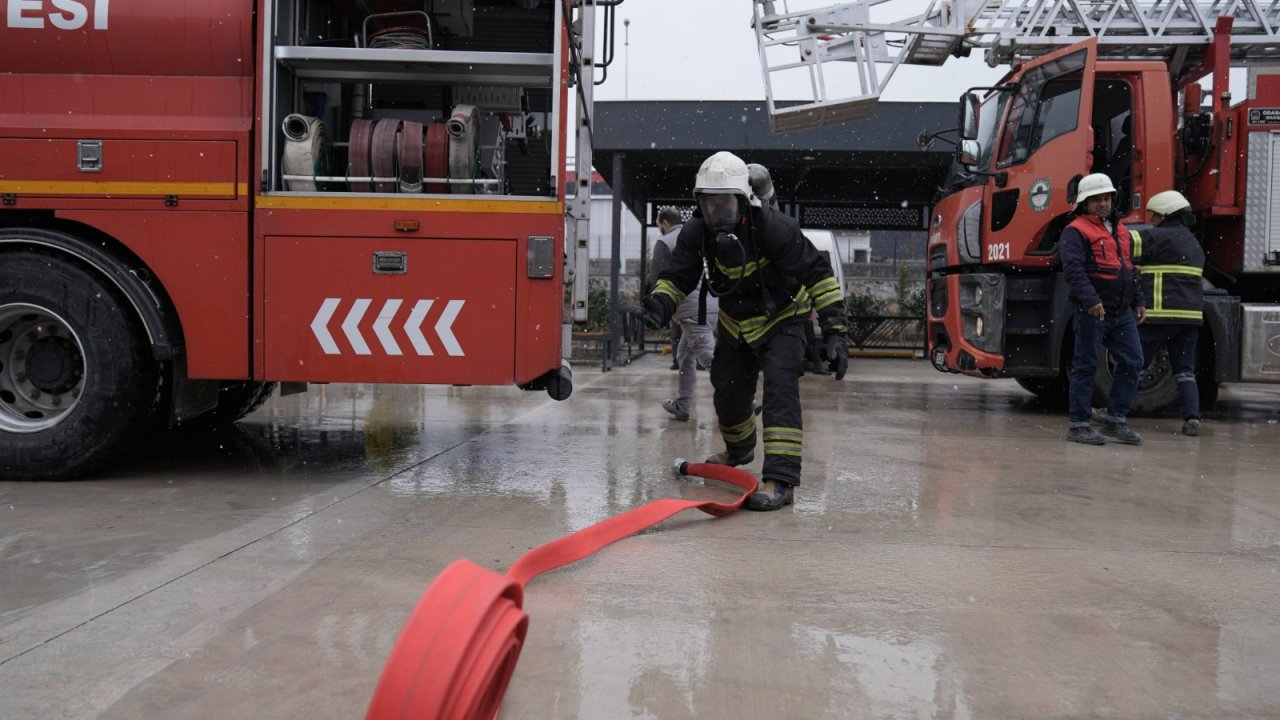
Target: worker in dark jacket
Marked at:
1172, 264
768, 277
1108, 304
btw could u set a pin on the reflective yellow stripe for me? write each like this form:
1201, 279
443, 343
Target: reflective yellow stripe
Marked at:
737, 433
1157, 288
1177, 314
668, 288
1136, 239
780, 433
89, 187
740, 271
402, 202
825, 293
730, 325
1174, 269
783, 441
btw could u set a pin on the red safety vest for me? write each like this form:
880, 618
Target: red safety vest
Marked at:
1110, 253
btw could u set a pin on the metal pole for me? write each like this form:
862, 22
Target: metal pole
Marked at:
626, 59
615, 262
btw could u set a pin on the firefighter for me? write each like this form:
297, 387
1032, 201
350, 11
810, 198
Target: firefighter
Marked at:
768, 278
1107, 308
1172, 263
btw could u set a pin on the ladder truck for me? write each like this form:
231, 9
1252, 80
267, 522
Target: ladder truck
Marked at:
1095, 86
202, 200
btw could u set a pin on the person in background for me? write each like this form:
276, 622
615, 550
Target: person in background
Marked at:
661, 255
692, 323
1172, 264
1107, 308
769, 277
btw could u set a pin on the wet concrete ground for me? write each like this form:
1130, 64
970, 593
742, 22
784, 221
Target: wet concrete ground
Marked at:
948, 556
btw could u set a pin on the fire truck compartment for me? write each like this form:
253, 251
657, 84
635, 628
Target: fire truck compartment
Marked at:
140, 168
403, 310
402, 98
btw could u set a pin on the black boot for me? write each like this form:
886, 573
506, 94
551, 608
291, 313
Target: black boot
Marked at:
772, 495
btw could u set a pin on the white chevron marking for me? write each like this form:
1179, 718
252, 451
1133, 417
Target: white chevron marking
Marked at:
413, 327
385, 316
444, 325
351, 326
319, 326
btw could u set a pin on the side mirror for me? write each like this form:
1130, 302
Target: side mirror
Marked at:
969, 103
968, 152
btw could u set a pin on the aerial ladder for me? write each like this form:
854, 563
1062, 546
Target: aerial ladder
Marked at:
848, 52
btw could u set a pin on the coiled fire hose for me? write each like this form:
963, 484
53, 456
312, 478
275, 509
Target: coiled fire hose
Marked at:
459, 648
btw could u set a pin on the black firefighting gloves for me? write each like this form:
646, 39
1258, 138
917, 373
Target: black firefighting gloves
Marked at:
837, 353
657, 311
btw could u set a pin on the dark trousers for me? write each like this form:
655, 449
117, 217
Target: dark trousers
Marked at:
734, 371
1181, 341
1119, 334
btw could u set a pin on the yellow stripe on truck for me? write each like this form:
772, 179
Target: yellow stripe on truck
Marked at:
403, 202
89, 187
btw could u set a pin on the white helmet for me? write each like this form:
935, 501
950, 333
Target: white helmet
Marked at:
1095, 184
723, 173
1167, 202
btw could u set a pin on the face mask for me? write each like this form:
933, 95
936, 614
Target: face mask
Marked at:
720, 212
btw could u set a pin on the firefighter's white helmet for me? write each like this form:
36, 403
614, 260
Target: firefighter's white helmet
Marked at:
723, 173
1095, 184
1167, 202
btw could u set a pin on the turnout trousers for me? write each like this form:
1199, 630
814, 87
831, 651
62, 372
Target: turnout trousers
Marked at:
734, 370
1181, 341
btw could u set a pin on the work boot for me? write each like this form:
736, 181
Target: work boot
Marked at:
1191, 426
1121, 432
676, 413
724, 458
771, 495
1085, 436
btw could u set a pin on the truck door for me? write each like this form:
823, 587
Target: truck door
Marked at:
1044, 141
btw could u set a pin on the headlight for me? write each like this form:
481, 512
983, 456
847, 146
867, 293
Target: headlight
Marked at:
982, 310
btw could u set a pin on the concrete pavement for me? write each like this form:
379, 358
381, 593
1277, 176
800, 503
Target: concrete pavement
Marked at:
948, 556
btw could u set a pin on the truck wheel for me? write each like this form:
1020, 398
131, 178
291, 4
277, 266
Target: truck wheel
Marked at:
1157, 388
237, 399
77, 382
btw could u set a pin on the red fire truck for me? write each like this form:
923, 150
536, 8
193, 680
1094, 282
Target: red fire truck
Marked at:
1096, 86
204, 198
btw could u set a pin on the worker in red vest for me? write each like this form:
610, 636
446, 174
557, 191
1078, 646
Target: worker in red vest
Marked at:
1096, 252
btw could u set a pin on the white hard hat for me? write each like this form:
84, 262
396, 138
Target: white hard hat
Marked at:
1167, 202
1095, 184
723, 173
761, 183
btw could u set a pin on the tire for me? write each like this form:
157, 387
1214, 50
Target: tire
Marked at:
235, 400
1157, 388
78, 383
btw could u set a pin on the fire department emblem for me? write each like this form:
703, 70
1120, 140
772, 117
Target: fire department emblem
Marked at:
1039, 194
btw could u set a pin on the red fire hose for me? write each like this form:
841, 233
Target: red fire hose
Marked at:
458, 650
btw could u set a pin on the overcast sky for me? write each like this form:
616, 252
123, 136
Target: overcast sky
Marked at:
706, 50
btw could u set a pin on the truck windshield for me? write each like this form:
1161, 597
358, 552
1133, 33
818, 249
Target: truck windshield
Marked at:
1045, 105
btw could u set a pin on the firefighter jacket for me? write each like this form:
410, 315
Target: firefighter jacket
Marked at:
775, 278
1098, 265
1172, 263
